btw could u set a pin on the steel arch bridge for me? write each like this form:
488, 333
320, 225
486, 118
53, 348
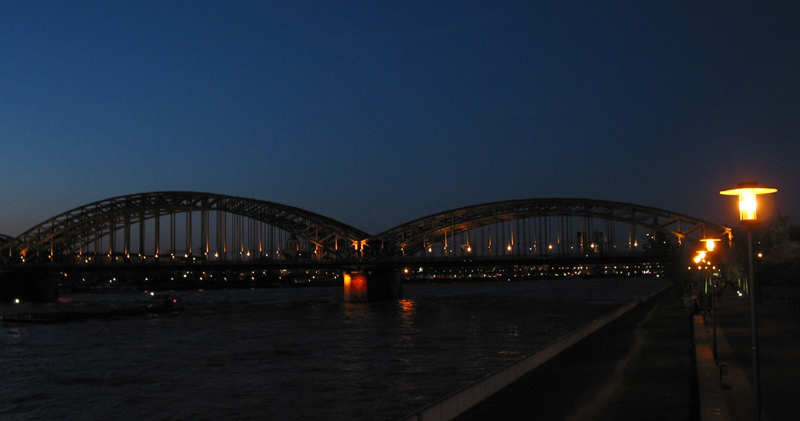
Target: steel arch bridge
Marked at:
75, 231
509, 218
4, 240
239, 227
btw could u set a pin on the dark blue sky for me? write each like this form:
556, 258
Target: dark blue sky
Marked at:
377, 113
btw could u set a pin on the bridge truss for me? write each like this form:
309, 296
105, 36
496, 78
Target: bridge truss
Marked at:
214, 227
542, 227
185, 224
5, 240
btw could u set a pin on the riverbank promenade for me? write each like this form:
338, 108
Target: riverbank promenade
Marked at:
657, 363
779, 353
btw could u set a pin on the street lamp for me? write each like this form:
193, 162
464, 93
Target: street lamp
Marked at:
747, 200
711, 244
748, 204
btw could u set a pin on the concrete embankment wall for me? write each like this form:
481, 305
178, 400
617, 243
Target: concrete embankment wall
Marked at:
459, 402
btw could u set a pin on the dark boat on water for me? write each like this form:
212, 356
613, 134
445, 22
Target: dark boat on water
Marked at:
161, 304
165, 304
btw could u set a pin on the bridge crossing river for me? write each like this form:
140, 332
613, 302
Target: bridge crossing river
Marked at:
203, 227
163, 239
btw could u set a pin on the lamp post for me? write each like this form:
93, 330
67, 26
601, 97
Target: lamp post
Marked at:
710, 246
748, 205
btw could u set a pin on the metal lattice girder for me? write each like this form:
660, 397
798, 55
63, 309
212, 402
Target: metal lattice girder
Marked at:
83, 224
6, 242
73, 229
413, 236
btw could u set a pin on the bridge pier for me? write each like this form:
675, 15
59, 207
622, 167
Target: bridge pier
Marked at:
372, 285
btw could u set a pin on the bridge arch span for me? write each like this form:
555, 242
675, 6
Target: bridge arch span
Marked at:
4, 240
73, 231
415, 236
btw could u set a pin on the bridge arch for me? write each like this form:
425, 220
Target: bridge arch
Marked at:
5, 240
413, 237
74, 231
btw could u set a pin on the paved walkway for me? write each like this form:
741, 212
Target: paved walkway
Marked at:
639, 367
645, 367
779, 352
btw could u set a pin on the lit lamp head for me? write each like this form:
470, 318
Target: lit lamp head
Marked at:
748, 204
711, 243
700, 256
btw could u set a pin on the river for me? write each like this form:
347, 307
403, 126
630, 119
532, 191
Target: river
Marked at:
289, 354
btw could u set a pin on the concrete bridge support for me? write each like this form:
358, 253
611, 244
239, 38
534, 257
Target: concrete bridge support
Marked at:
372, 285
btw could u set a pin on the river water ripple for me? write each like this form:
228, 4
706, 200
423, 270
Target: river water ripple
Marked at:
289, 354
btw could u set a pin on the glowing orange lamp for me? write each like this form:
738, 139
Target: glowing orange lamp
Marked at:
747, 199
748, 204
711, 243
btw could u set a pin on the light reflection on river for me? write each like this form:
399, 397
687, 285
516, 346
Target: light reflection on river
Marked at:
290, 354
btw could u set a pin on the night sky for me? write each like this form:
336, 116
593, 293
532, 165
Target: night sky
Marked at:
376, 113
